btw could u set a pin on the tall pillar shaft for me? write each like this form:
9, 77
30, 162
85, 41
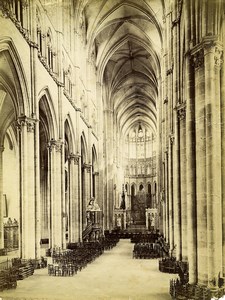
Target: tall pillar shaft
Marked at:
190, 173
74, 198
223, 161
176, 99
183, 194
1, 199
97, 196
212, 57
26, 129
167, 199
176, 191
201, 201
170, 195
37, 192
55, 148
87, 189
108, 207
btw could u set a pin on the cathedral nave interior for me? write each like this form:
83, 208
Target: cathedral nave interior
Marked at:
112, 128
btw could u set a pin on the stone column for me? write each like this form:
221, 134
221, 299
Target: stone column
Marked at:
108, 205
87, 188
31, 15
181, 110
26, 128
101, 153
37, 191
170, 194
1, 199
163, 206
176, 190
55, 148
191, 233
200, 134
63, 198
175, 41
167, 199
74, 198
99, 199
212, 56
223, 160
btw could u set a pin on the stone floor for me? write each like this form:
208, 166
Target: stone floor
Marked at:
113, 276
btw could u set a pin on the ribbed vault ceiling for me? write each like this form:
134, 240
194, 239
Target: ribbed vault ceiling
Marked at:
126, 38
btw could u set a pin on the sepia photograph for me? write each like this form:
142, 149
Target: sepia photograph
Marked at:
112, 150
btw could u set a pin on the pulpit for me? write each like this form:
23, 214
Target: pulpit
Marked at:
92, 231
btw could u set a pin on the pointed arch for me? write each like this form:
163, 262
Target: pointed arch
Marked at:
133, 188
13, 77
47, 113
69, 130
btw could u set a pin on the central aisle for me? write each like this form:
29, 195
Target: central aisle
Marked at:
113, 276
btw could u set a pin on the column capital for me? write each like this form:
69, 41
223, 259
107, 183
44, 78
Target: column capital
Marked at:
74, 158
2, 148
214, 47
26, 121
208, 45
57, 145
210, 42
96, 173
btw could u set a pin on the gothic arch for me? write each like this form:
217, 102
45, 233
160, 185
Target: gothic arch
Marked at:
48, 134
117, 45
101, 21
14, 81
69, 130
14, 104
141, 186
46, 107
133, 188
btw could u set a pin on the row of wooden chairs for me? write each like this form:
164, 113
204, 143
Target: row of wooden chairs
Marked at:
144, 238
67, 263
18, 269
168, 265
147, 250
188, 291
109, 242
62, 270
8, 279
